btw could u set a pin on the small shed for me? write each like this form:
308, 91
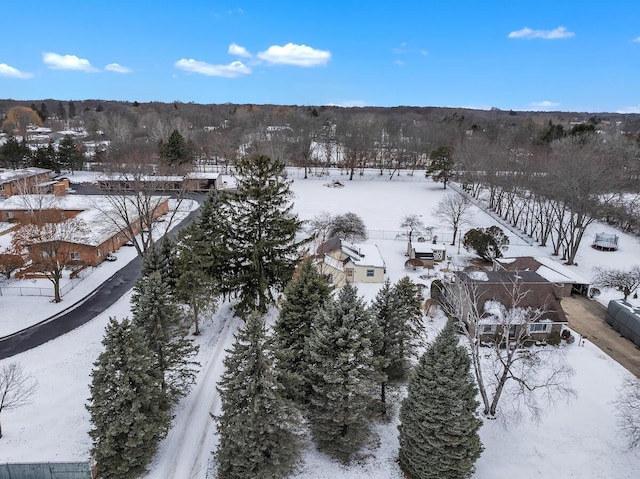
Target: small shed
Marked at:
625, 318
432, 252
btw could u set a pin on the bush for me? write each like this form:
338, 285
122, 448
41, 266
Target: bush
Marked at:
554, 338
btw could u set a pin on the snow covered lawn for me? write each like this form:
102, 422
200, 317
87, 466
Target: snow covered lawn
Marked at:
578, 439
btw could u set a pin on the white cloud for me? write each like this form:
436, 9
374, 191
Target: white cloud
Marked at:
232, 70
544, 104
400, 63
117, 68
629, 109
67, 62
238, 51
292, 54
9, 71
636, 40
529, 34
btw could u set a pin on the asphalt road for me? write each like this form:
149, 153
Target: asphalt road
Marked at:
86, 309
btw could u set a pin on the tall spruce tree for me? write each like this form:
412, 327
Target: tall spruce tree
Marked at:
343, 375
257, 427
176, 150
205, 242
438, 422
262, 233
397, 313
407, 306
304, 297
155, 311
127, 418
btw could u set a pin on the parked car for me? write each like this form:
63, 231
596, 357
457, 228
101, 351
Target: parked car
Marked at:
110, 257
128, 243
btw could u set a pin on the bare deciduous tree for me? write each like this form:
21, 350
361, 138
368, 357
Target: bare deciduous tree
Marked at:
48, 241
503, 365
320, 225
413, 225
137, 189
453, 210
624, 281
16, 388
627, 407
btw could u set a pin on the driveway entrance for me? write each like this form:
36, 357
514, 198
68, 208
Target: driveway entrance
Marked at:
588, 317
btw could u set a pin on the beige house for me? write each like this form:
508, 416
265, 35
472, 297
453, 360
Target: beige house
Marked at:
343, 262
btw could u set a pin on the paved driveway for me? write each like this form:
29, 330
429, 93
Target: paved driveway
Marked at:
587, 317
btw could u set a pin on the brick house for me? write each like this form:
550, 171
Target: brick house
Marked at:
103, 234
23, 181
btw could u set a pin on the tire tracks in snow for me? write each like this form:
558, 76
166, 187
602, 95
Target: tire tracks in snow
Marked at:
186, 451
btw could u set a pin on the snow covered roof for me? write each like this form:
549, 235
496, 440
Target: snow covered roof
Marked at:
9, 175
548, 268
363, 254
98, 212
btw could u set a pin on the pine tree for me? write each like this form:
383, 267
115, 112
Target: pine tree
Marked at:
397, 314
45, 157
71, 109
176, 151
43, 112
125, 403
342, 374
262, 233
304, 297
407, 306
69, 156
204, 243
438, 423
256, 427
155, 311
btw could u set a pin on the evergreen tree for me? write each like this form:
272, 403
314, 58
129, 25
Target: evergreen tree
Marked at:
70, 156
43, 112
262, 232
397, 313
45, 157
71, 109
304, 297
441, 164
343, 375
257, 428
13, 153
161, 259
176, 151
205, 242
155, 311
127, 420
407, 305
62, 112
438, 423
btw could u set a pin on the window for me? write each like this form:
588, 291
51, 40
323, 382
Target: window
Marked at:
349, 272
46, 254
487, 328
75, 255
9, 215
538, 327
370, 273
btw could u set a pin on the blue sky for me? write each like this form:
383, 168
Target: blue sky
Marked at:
511, 54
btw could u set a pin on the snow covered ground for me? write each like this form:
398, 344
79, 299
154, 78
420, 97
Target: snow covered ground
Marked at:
578, 439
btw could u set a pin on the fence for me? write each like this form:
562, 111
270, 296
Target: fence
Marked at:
46, 470
444, 237
39, 291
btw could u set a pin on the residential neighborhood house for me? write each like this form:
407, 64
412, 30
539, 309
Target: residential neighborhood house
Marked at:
343, 262
494, 288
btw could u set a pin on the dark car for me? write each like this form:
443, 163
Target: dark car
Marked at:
110, 257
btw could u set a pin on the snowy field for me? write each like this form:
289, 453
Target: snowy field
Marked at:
578, 439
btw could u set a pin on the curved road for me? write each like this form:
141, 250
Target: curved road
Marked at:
84, 310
